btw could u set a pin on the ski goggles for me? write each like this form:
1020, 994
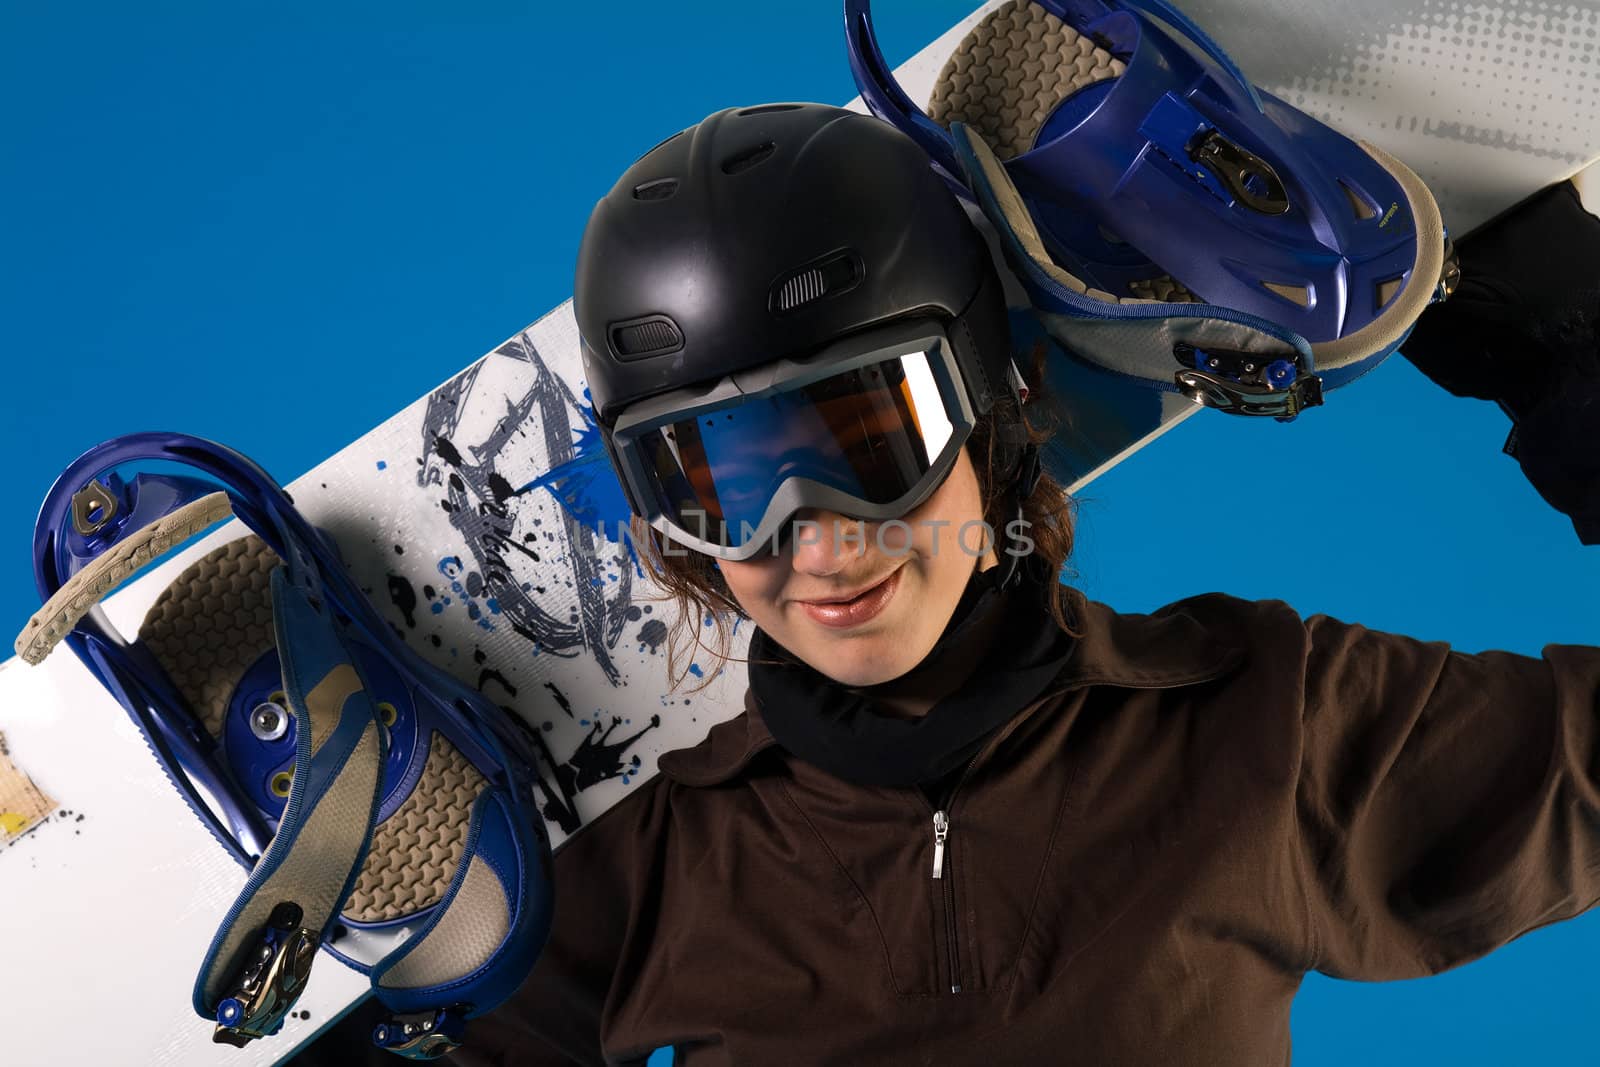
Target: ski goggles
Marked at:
866, 428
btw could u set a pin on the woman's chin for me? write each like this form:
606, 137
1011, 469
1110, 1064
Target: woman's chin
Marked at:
862, 659
875, 672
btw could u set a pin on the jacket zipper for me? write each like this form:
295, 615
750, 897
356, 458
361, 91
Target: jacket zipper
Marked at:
941, 830
941, 834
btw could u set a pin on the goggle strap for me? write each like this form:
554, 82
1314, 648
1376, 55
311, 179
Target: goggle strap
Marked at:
1018, 383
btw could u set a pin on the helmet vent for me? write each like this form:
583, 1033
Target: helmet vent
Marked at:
801, 289
660, 189
750, 157
652, 336
767, 109
838, 272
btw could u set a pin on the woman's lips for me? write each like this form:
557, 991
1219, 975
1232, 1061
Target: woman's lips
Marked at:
862, 608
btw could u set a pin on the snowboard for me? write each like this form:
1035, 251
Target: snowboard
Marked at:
470, 517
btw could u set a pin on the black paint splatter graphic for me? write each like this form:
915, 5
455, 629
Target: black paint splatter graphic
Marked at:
481, 504
561, 699
596, 759
652, 633
486, 676
514, 569
404, 597
599, 758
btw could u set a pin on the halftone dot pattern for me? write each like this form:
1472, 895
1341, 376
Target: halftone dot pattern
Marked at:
1518, 77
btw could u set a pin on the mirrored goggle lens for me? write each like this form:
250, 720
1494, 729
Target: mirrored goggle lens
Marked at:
871, 433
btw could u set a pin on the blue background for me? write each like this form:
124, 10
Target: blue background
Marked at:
276, 224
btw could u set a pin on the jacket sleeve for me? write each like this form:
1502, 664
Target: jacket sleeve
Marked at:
604, 898
1446, 803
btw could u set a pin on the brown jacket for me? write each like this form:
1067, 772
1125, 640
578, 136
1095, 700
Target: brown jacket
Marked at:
1211, 801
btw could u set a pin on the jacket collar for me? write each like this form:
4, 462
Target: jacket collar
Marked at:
1169, 649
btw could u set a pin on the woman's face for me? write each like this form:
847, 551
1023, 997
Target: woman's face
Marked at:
864, 602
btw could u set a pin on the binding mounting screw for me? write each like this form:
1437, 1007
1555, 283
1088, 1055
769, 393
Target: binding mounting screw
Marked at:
269, 721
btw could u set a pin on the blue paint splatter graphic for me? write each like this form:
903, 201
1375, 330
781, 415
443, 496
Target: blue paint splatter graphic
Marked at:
586, 486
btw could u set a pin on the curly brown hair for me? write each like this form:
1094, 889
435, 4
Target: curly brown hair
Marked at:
694, 584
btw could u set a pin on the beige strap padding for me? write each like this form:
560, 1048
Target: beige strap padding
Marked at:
313, 872
1012, 71
80, 593
475, 923
325, 699
212, 623
416, 851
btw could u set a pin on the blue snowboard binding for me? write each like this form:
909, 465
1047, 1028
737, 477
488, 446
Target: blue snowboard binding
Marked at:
1170, 222
384, 810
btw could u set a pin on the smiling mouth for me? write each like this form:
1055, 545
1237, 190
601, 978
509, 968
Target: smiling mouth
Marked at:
854, 609
847, 597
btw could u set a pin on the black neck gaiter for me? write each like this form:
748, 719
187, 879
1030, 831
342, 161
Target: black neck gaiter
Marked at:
840, 730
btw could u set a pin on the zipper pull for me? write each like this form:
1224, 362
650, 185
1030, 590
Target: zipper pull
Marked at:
941, 830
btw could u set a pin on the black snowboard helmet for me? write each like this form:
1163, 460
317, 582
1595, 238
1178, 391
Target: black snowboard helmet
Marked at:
731, 255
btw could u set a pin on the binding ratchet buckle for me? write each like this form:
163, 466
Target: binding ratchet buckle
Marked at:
1449, 273
273, 976
1245, 383
422, 1036
1247, 176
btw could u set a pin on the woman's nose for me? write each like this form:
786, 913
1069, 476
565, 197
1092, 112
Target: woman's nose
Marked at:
825, 542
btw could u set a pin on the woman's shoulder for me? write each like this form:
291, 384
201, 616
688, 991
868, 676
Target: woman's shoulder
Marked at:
1195, 637
1214, 609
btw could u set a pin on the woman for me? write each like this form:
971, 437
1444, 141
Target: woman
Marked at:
968, 816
